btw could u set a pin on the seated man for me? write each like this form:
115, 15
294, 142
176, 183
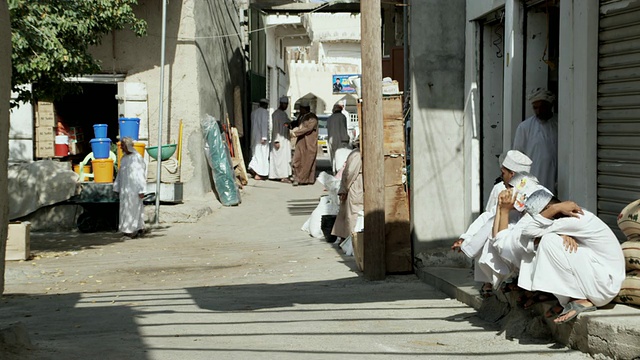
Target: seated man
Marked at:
578, 258
473, 242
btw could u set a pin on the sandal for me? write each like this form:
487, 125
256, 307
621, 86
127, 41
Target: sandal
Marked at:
537, 297
577, 309
486, 290
554, 311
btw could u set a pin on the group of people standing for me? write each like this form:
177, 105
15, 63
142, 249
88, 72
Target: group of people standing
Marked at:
528, 240
272, 157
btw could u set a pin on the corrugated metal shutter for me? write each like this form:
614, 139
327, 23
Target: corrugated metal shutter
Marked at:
618, 108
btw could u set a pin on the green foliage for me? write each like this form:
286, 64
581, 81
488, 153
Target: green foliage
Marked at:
51, 39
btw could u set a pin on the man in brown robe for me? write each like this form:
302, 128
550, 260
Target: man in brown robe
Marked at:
304, 157
351, 196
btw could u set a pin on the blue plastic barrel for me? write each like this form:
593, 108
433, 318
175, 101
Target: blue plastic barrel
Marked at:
129, 127
100, 131
100, 147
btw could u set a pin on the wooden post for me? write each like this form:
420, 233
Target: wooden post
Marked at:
372, 140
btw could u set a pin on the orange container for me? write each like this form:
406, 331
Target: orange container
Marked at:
87, 170
139, 146
102, 170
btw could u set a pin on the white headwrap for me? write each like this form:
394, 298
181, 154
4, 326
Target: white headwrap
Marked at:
264, 101
541, 94
517, 162
284, 99
536, 202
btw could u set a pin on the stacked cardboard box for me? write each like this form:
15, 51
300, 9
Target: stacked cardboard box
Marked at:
45, 129
18, 241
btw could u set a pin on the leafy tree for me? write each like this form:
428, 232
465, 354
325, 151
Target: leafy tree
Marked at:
51, 39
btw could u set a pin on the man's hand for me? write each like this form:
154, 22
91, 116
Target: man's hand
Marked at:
141, 196
276, 145
570, 244
343, 197
457, 245
506, 199
569, 208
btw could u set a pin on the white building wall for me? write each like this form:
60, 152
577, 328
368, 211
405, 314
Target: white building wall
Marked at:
577, 100
577, 95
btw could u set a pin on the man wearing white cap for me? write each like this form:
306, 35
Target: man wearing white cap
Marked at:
259, 164
537, 137
474, 242
578, 258
280, 161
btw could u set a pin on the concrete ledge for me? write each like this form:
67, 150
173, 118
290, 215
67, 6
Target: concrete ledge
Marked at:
613, 330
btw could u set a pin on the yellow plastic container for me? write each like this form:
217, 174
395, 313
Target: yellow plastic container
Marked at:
87, 170
102, 170
139, 146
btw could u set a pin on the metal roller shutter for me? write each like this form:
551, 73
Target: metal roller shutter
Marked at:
618, 108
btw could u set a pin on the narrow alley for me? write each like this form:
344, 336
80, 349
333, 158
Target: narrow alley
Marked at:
243, 282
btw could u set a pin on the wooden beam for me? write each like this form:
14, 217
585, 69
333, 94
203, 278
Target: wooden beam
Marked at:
372, 141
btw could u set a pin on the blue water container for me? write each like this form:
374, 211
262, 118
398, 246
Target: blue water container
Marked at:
100, 147
100, 131
129, 127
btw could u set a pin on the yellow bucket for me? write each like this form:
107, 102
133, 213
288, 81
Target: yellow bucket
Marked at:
87, 170
102, 170
139, 146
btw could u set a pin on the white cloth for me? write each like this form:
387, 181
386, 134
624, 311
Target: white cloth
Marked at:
338, 136
129, 184
280, 162
259, 134
496, 265
538, 139
594, 272
473, 244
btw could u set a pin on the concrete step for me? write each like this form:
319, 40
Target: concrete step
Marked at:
613, 330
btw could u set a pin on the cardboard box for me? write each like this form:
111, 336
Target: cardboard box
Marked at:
18, 241
45, 141
46, 115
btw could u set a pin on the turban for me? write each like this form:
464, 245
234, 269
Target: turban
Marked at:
541, 94
264, 101
517, 162
304, 103
537, 201
284, 99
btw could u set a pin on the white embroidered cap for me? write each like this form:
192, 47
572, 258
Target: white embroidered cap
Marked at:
538, 200
517, 162
284, 99
541, 94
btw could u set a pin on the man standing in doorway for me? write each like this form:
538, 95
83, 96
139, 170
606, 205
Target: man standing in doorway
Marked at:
338, 135
537, 137
280, 162
259, 164
306, 150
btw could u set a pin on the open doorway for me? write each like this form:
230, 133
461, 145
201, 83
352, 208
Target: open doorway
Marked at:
77, 113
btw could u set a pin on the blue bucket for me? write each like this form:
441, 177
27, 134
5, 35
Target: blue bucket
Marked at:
129, 127
100, 130
101, 147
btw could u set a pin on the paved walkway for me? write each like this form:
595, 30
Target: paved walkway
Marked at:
244, 282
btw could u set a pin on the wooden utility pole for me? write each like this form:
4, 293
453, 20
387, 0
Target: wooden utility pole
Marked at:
372, 140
